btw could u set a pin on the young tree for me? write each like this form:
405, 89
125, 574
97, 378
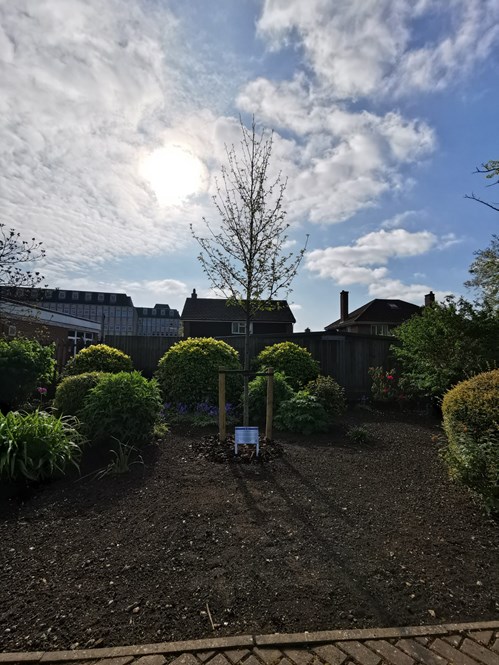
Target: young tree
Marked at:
485, 272
491, 170
16, 256
243, 258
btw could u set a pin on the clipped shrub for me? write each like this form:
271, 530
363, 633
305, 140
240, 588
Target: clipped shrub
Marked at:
471, 422
71, 392
302, 413
257, 393
188, 372
98, 358
123, 406
359, 435
37, 446
329, 393
295, 362
24, 365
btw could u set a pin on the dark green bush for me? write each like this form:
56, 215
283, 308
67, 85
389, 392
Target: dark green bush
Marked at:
258, 395
359, 435
98, 358
329, 393
471, 422
37, 446
123, 406
302, 413
188, 372
295, 362
24, 365
71, 392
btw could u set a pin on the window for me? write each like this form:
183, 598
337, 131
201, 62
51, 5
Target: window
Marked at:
62, 295
100, 297
75, 295
153, 311
393, 305
88, 297
112, 298
163, 312
48, 293
145, 311
381, 329
239, 328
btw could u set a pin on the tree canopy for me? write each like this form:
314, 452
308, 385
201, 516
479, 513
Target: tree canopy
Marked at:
491, 171
485, 273
16, 257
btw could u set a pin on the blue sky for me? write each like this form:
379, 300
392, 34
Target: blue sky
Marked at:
114, 116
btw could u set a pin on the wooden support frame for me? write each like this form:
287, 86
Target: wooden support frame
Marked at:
222, 416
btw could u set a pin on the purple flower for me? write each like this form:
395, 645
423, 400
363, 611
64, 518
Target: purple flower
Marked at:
42, 391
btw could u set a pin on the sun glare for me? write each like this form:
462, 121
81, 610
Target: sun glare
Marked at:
174, 174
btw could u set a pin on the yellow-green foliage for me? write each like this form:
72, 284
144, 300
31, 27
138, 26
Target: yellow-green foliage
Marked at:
71, 392
99, 358
471, 422
188, 372
295, 362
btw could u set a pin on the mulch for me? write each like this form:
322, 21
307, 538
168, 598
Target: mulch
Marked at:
325, 533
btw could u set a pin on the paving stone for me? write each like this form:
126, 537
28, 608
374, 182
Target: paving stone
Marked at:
482, 636
479, 652
420, 652
453, 640
495, 646
205, 655
20, 657
252, 660
234, 655
219, 659
269, 656
123, 660
299, 656
330, 654
422, 640
156, 659
452, 655
361, 653
185, 659
390, 653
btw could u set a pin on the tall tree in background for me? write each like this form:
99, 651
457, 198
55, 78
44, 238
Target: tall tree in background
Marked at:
243, 257
485, 274
491, 170
16, 257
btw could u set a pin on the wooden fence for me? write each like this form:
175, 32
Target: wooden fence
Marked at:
346, 357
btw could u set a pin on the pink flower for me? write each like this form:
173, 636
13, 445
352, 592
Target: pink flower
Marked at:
42, 391
389, 377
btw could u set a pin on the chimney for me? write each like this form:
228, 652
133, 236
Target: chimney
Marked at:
194, 295
343, 305
429, 299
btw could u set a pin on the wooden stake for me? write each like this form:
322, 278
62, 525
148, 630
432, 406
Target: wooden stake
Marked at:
222, 422
270, 404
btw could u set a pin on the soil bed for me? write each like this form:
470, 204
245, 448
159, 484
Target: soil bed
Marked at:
328, 534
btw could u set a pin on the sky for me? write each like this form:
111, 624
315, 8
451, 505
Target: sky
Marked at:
114, 117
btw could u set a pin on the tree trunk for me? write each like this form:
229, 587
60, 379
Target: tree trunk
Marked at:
246, 371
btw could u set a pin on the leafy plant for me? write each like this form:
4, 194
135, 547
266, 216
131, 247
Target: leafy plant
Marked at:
358, 434
36, 446
98, 358
257, 394
445, 344
188, 372
71, 392
121, 460
302, 413
24, 365
124, 406
295, 362
329, 393
471, 423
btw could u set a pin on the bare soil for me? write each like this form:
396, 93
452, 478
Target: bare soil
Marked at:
328, 534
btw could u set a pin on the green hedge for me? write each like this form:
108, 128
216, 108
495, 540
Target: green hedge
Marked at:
24, 365
98, 358
258, 395
71, 392
295, 362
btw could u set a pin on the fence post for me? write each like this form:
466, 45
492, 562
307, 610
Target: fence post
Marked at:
270, 404
222, 424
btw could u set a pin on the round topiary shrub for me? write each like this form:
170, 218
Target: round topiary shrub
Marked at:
188, 372
71, 392
471, 422
302, 413
295, 362
329, 393
24, 365
123, 406
98, 358
257, 394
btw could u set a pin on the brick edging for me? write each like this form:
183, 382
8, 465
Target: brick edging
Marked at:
222, 643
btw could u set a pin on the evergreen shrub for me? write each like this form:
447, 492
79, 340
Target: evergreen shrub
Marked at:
98, 358
294, 361
471, 422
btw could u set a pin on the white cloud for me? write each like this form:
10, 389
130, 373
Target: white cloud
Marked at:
365, 262
359, 48
399, 219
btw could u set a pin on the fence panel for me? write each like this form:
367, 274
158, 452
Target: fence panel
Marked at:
145, 352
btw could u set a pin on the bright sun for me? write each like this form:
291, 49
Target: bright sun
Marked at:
174, 174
